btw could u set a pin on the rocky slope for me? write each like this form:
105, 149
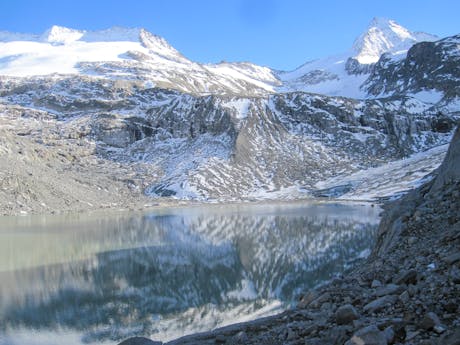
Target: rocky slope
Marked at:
168, 144
405, 293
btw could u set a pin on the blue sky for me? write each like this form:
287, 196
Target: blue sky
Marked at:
281, 34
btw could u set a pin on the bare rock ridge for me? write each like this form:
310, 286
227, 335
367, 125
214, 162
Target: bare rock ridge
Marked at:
405, 293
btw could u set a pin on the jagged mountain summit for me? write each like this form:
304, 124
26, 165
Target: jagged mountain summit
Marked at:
386, 36
135, 54
344, 74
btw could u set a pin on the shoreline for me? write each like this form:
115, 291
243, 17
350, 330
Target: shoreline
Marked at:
158, 204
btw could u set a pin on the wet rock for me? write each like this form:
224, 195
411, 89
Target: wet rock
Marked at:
369, 335
140, 341
346, 314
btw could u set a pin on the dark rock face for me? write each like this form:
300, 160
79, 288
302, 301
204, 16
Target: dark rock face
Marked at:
352, 66
438, 60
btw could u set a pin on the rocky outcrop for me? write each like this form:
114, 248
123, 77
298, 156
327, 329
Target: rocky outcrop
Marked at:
439, 60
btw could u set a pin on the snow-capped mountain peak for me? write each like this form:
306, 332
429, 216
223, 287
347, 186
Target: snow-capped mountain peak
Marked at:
61, 35
158, 45
383, 36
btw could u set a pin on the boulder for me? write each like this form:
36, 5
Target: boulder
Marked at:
369, 335
346, 314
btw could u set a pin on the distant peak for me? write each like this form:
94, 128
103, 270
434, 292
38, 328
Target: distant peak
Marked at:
158, 45
385, 35
61, 35
380, 22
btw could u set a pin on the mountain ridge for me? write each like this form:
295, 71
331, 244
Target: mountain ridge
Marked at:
138, 54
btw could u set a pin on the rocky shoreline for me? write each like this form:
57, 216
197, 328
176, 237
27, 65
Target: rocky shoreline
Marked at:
407, 292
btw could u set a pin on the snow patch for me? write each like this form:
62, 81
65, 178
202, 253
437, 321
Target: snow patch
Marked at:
389, 179
240, 106
429, 96
247, 291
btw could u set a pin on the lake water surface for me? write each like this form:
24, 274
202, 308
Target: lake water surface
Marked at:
97, 279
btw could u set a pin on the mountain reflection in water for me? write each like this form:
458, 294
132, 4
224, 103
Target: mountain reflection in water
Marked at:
170, 272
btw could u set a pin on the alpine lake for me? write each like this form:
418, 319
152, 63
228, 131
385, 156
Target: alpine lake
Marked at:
102, 277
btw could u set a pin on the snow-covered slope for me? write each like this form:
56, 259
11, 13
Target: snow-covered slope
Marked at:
135, 54
121, 53
343, 74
